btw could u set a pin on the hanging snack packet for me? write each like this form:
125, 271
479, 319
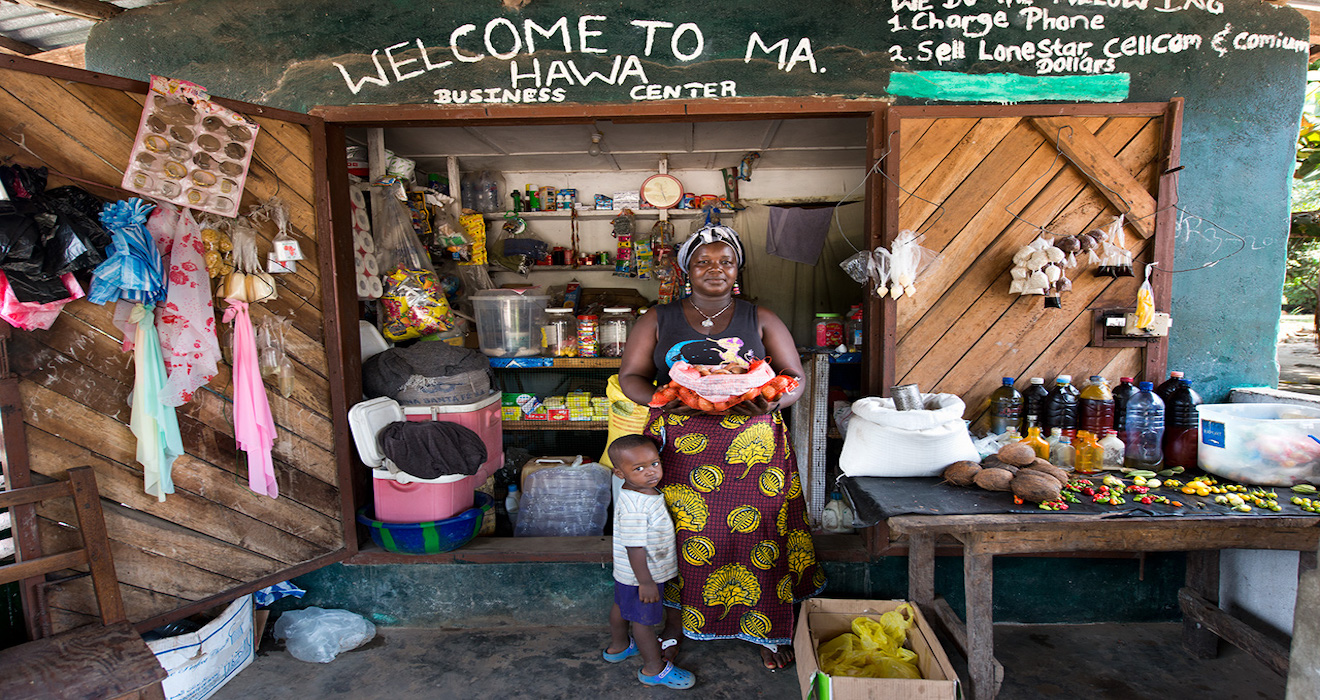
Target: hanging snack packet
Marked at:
413, 304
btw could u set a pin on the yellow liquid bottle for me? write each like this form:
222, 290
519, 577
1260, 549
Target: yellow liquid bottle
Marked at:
1089, 454
1037, 443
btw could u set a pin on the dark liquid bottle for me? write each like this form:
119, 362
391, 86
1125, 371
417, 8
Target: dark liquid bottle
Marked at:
1060, 407
1181, 426
1033, 400
1005, 408
1096, 407
1124, 391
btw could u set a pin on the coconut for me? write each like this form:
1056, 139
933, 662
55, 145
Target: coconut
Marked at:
1035, 486
1016, 454
994, 479
962, 473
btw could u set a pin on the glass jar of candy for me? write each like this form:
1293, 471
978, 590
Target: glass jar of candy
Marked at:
829, 331
614, 328
559, 335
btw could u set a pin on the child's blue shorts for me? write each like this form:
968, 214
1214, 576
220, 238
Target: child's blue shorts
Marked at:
632, 607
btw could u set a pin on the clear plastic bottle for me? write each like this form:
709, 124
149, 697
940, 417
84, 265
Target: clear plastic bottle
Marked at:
490, 193
565, 501
1033, 399
1059, 409
1181, 425
853, 328
1062, 454
468, 191
1037, 443
511, 504
1096, 407
1124, 391
1005, 407
837, 517
1114, 449
1010, 436
1144, 420
1090, 455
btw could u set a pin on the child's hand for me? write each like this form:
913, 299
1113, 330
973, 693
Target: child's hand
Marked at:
648, 593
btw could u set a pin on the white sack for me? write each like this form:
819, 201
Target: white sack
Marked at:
883, 441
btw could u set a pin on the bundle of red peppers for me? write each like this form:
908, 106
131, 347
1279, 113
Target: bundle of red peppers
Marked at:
778, 386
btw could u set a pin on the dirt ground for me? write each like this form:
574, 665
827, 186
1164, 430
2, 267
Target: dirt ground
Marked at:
1299, 359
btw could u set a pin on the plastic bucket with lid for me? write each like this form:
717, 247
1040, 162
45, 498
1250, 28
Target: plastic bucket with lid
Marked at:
509, 322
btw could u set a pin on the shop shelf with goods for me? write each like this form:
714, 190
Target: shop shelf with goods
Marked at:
545, 377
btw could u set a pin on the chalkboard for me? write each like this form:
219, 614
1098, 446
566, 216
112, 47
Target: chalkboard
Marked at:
295, 55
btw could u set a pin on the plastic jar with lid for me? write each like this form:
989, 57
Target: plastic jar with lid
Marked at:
829, 331
588, 334
559, 335
614, 328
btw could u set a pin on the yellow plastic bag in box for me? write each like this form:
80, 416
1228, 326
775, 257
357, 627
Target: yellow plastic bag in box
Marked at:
874, 649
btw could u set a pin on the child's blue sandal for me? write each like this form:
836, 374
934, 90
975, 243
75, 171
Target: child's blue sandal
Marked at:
628, 653
671, 677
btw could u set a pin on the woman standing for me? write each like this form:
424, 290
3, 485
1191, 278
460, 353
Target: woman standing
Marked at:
731, 481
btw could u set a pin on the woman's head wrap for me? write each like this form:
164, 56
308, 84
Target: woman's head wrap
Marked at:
710, 233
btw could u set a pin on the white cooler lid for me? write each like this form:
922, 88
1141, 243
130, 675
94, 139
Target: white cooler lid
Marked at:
366, 420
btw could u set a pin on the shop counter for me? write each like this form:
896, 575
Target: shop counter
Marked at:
925, 512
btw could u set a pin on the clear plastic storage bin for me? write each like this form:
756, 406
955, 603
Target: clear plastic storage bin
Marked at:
1268, 444
509, 323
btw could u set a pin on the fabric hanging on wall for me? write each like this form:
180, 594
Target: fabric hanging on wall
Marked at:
793, 291
254, 429
31, 315
798, 233
153, 423
186, 321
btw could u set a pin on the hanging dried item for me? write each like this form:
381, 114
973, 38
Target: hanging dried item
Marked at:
908, 261
1040, 268
1115, 258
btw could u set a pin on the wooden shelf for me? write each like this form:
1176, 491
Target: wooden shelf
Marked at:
599, 214
556, 425
549, 268
555, 362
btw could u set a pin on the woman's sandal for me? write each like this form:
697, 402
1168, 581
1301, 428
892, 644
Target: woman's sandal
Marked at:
628, 653
670, 677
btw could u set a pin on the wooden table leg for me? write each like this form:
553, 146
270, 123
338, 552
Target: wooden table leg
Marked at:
1203, 579
978, 586
921, 570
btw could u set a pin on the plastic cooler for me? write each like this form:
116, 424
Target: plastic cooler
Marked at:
402, 498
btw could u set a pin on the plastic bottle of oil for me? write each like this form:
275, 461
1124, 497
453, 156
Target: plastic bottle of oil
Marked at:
1005, 407
1096, 407
1145, 430
1037, 442
1090, 455
1114, 449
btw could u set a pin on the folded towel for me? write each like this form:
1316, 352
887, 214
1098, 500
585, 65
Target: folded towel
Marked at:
798, 234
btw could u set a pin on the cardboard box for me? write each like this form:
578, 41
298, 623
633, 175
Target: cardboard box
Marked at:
201, 662
823, 619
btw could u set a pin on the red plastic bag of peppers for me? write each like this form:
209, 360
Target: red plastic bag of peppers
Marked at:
717, 388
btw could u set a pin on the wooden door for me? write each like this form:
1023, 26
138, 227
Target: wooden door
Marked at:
979, 183
66, 393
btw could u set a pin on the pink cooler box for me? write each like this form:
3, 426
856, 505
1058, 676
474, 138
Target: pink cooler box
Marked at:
401, 498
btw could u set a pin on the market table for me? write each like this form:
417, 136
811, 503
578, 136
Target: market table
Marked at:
922, 511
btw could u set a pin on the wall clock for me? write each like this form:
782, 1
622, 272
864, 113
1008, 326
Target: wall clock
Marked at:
662, 191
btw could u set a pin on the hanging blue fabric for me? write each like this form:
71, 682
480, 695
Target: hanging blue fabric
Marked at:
132, 269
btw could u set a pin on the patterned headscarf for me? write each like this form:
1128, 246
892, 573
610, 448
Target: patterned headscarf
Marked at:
710, 233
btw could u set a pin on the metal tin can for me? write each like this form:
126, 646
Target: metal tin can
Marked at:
907, 397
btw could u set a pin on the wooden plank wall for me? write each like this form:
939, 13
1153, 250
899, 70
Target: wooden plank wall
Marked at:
213, 534
979, 189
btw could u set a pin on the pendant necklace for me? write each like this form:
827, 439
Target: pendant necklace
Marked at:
710, 320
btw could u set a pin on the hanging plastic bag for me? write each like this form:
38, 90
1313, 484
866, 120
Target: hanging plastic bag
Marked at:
413, 304
907, 262
1145, 303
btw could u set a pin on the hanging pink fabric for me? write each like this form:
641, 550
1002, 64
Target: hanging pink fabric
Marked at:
30, 315
254, 429
185, 320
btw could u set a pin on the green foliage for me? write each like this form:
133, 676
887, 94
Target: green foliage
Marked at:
1303, 266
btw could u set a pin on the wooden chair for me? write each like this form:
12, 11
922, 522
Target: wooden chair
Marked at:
105, 660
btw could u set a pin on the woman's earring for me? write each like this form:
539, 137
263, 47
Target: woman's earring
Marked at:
736, 289
687, 288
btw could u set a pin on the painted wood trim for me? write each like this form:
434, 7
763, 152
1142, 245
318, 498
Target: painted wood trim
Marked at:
1121, 109
707, 110
1166, 222
888, 192
339, 310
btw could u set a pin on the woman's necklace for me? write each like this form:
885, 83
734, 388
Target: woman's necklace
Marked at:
710, 320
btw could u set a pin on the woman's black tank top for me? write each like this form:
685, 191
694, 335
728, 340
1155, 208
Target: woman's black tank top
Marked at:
678, 340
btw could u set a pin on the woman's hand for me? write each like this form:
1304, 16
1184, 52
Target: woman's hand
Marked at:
678, 408
758, 406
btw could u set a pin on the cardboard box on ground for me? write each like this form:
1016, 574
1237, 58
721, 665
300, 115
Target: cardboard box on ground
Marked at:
200, 662
823, 619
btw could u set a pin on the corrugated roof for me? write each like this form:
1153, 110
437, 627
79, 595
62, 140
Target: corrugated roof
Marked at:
47, 30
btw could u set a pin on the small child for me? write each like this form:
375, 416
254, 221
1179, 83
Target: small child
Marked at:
644, 559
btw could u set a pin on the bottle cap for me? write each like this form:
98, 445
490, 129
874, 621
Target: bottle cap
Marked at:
513, 488
826, 315
1125, 379
1008, 381
1063, 379
1175, 375
1097, 378
1037, 380
835, 496
1146, 386
617, 309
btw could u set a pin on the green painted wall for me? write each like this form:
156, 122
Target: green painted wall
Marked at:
1240, 64
1027, 590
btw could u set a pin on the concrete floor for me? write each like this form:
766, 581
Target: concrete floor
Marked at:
1094, 662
